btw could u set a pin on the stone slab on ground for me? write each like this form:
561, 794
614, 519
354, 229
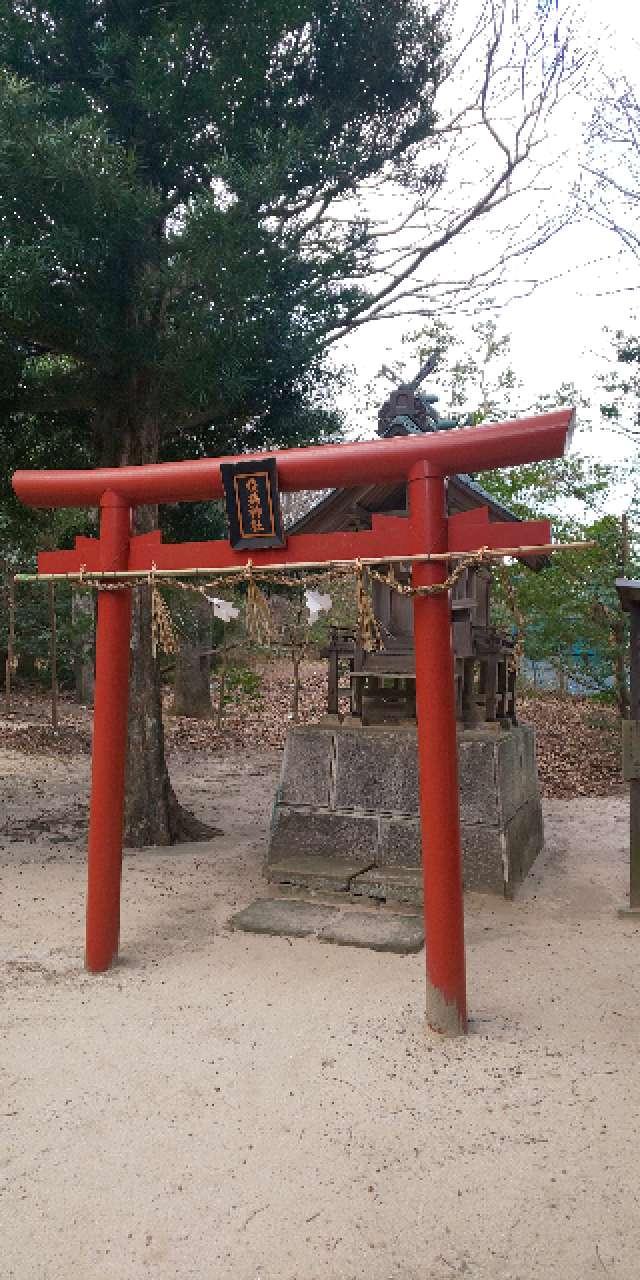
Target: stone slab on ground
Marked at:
288, 917
294, 918
378, 930
332, 875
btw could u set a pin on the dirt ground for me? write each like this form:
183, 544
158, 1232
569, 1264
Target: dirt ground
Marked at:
222, 1105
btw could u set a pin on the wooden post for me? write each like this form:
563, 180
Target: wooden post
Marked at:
11, 642
490, 670
470, 713
629, 594
222, 679
332, 682
357, 684
438, 763
106, 814
53, 654
511, 686
295, 688
634, 785
83, 609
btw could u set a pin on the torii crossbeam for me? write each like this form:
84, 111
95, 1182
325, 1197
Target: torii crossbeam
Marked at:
422, 461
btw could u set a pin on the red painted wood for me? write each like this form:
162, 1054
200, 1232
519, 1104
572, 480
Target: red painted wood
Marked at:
109, 744
470, 530
389, 536
438, 759
491, 445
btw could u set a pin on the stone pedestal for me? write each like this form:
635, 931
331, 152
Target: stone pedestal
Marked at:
349, 797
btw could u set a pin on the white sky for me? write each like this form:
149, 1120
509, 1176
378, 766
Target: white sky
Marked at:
589, 279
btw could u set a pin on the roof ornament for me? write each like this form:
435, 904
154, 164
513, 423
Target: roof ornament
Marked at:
410, 412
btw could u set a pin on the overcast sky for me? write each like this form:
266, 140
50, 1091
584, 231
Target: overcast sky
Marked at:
589, 280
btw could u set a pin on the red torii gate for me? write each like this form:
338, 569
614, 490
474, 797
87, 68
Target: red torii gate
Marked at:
423, 461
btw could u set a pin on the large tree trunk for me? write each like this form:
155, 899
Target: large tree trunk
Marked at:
192, 687
152, 812
82, 617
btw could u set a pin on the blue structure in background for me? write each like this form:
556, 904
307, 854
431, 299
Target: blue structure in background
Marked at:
588, 673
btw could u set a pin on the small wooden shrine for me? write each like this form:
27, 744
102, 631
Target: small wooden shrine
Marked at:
381, 683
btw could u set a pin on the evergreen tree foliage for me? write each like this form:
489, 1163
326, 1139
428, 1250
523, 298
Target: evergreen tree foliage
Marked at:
157, 163
621, 386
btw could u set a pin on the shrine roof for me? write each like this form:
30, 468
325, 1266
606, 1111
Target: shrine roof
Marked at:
321, 508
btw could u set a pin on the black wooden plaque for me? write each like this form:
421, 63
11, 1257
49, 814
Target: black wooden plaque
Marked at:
253, 504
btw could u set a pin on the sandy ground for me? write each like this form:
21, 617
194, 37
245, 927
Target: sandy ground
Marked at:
222, 1105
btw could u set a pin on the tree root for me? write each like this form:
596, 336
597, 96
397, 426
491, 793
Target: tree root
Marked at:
184, 826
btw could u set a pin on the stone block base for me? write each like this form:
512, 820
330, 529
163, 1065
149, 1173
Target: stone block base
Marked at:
346, 812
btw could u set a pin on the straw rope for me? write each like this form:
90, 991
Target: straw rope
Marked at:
258, 619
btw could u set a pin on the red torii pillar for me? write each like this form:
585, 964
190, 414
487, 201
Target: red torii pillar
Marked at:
423, 461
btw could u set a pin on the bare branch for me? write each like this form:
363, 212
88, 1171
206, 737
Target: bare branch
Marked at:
610, 187
506, 76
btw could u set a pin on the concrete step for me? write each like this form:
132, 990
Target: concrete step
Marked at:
390, 884
337, 876
322, 874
